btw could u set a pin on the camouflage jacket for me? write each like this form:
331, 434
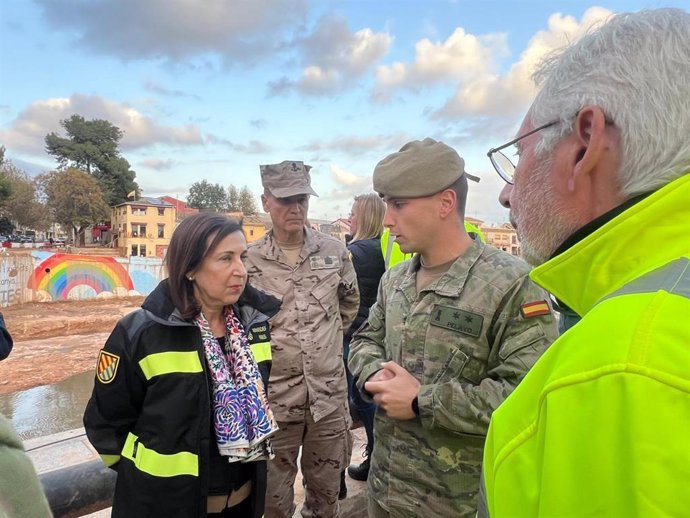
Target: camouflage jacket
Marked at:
319, 299
467, 340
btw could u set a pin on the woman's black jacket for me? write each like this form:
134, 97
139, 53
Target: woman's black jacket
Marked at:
149, 416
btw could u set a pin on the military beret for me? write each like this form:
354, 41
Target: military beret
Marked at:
288, 178
420, 168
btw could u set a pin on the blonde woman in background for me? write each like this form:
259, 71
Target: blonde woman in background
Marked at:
366, 227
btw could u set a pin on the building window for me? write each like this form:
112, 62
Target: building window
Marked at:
139, 211
251, 231
161, 231
138, 230
139, 250
161, 212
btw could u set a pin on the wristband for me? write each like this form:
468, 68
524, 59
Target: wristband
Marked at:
415, 406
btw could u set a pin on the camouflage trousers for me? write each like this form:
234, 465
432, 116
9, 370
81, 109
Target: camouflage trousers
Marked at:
374, 510
322, 461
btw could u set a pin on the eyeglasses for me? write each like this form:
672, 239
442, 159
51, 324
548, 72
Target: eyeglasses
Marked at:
503, 165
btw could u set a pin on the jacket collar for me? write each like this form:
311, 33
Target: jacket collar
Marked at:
645, 236
452, 282
160, 307
270, 250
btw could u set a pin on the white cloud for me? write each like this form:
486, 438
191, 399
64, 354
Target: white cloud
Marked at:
159, 89
472, 63
461, 57
176, 29
29, 129
338, 201
348, 179
355, 144
253, 147
482, 197
333, 57
159, 164
494, 94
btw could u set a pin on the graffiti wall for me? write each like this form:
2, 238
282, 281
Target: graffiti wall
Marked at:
15, 272
47, 276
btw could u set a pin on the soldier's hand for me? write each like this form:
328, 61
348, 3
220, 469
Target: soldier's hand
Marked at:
395, 394
381, 375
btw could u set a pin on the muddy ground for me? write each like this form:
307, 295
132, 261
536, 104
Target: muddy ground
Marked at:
55, 340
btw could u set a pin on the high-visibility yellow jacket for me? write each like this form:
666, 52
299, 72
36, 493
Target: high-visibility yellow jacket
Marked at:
600, 427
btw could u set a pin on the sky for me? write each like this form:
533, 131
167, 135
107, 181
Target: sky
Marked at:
211, 89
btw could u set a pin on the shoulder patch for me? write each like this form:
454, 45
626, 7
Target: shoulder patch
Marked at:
535, 309
106, 367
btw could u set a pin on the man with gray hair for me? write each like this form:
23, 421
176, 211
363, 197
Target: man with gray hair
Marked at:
313, 276
601, 200
452, 332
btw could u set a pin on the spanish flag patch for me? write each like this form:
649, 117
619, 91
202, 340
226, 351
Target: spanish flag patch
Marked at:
535, 309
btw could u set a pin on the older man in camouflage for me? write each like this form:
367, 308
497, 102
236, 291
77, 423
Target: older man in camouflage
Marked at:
314, 277
453, 331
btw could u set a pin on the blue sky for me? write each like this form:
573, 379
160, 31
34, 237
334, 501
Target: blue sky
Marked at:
210, 89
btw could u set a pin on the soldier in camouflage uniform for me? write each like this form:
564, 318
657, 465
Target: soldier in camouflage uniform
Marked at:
313, 276
452, 332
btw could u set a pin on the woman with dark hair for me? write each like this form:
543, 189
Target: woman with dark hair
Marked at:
179, 404
366, 226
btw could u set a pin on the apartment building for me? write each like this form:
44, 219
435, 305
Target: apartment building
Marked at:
143, 227
503, 237
254, 226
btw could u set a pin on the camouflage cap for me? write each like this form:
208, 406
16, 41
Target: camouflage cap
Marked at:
420, 168
289, 178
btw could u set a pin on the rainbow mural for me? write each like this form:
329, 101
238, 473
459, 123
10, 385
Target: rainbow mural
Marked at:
59, 274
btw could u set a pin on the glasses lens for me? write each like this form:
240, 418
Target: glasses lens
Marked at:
504, 166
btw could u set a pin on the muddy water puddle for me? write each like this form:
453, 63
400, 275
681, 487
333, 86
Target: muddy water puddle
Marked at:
48, 409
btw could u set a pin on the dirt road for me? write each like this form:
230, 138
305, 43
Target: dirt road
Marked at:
55, 340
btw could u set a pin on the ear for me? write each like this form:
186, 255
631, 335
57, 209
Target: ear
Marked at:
447, 203
591, 140
264, 203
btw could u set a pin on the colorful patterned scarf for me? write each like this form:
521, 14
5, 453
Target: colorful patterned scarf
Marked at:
242, 418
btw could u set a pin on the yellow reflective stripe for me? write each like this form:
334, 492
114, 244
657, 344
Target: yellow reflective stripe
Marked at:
157, 464
109, 460
170, 362
261, 351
